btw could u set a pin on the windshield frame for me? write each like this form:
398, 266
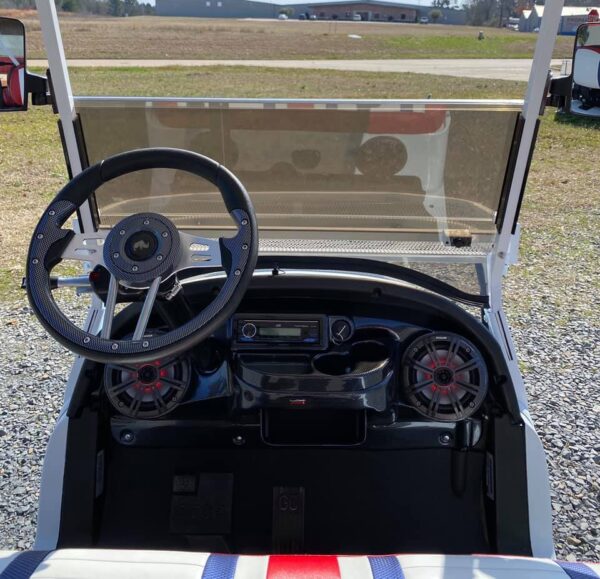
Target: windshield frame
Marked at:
408, 248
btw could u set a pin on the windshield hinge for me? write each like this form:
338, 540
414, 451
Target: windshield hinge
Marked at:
459, 237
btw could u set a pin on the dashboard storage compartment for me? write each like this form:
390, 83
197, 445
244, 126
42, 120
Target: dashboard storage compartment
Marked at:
304, 427
277, 364
351, 376
363, 357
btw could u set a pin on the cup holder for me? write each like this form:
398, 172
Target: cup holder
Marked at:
362, 357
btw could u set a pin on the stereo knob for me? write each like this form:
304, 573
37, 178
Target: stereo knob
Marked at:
341, 330
248, 330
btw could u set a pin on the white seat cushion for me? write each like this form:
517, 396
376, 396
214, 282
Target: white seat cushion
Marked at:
115, 564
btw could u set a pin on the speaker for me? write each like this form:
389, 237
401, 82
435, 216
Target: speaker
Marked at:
444, 376
147, 390
381, 156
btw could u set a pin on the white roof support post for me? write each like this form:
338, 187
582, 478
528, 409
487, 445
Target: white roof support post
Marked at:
534, 100
538, 489
62, 93
50, 503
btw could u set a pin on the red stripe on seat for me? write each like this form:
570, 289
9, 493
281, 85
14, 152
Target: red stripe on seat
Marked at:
303, 567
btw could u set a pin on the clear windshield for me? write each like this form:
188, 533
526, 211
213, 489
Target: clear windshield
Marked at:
383, 178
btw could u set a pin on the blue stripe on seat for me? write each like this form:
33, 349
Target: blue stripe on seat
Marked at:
24, 565
218, 567
386, 567
578, 570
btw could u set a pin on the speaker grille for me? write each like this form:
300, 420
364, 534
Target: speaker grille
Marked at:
147, 390
445, 376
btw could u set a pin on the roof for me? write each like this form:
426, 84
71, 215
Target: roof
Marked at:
566, 11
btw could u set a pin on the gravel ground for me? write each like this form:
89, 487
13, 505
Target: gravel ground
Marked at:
560, 362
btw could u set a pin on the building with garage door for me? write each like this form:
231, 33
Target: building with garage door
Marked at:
371, 10
572, 17
377, 11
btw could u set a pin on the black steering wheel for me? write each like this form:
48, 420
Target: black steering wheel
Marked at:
141, 252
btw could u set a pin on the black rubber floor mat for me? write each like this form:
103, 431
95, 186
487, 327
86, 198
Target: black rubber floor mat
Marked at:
207, 511
356, 501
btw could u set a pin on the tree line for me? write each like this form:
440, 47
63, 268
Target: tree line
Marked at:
104, 7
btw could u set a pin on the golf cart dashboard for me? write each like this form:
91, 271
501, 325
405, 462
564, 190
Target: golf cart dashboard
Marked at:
315, 367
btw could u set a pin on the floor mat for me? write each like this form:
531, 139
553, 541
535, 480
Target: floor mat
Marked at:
355, 501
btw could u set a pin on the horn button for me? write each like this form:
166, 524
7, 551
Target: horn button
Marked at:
141, 248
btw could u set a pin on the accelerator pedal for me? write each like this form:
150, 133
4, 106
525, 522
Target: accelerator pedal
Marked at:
288, 519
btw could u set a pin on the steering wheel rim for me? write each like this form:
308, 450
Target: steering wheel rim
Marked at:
50, 242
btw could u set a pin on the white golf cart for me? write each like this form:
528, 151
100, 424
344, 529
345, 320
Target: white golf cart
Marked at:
278, 383
579, 92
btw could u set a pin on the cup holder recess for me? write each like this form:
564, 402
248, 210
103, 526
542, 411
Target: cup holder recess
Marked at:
362, 357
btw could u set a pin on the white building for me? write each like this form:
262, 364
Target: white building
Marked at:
572, 17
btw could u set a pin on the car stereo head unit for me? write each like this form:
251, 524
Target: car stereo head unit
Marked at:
259, 331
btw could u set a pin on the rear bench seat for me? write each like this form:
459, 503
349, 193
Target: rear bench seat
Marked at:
116, 564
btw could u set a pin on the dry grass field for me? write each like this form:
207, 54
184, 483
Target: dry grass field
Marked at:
195, 38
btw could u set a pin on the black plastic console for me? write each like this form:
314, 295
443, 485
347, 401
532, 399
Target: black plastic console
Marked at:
353, 376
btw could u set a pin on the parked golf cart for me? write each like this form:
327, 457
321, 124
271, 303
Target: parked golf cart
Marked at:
579, 92
296, 352
15, 82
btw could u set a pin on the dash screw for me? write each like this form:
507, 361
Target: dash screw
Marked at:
445, 438
127, 436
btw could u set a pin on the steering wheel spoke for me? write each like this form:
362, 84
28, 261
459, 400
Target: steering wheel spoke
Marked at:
109, 308
144, 317
86, 247
199, 251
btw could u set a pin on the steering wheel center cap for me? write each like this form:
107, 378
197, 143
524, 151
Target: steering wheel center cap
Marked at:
141, 248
